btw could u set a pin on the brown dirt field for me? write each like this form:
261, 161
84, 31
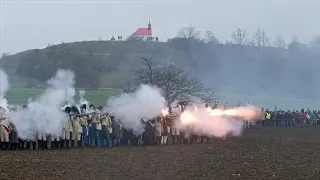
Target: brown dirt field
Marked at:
261, 153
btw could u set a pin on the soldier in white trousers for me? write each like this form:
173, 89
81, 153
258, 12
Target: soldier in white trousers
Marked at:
158, 129
4, 130
175, 131
66, 130
55, 139
77, 131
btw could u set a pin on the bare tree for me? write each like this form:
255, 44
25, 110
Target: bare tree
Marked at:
239, 36
189, 32
295, 43
252, 43
280, 42
175, 83
260, 38
315, 43
209, 37
294, 40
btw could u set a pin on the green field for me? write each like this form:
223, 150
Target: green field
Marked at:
21, 95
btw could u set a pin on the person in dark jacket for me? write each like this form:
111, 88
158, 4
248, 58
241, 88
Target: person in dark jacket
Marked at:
13, 138
148, 135
115, 131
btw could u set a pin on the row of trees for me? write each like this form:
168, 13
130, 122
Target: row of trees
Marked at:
242, 37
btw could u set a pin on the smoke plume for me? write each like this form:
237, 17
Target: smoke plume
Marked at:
44, 114
4, 87
82, 100
130, 108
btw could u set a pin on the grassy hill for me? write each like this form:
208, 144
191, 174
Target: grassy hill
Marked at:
261, 75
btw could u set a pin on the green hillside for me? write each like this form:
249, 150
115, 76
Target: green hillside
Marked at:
20, 96
261, 75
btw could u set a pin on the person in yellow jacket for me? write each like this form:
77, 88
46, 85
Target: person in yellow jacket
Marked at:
268, 116
263, 117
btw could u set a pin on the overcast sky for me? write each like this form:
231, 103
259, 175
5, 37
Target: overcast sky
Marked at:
29, 24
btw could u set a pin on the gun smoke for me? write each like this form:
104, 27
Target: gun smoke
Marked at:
133, 108
44, 114
4, 87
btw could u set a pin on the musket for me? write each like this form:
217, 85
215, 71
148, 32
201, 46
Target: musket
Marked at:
87, 114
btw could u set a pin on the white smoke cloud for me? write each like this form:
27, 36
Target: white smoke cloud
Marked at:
82, 100
4, 87
44, 114
146, 103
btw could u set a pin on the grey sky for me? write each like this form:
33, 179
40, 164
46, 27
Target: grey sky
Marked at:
34, 24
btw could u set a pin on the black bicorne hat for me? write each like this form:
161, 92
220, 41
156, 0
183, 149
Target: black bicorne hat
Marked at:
92, 106
83, 106
67, 109
75, 110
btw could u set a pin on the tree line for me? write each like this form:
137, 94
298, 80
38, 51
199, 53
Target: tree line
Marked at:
241, 37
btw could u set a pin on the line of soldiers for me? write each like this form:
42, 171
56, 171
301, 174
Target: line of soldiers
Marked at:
88, 127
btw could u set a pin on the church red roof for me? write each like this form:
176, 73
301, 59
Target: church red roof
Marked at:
143, 31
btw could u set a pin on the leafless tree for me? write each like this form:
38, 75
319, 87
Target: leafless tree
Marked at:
189, 32
239, 36
280, 42
315, 43
294, 40
175, 83
260, 38
209, 37
295, 43
252, 42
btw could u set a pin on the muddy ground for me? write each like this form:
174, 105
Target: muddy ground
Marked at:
261, 153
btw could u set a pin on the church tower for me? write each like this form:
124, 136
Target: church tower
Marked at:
149, 26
